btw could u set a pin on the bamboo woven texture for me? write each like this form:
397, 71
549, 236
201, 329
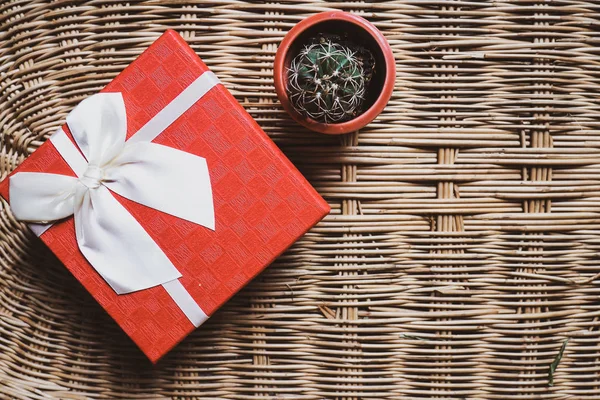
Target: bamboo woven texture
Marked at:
462, 248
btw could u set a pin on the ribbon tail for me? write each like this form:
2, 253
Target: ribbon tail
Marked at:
39, 197
117, 246
166, 179
39, 229
99, 126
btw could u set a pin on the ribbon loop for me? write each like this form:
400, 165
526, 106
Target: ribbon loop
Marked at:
37, 197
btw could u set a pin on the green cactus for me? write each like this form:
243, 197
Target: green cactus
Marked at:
328, 80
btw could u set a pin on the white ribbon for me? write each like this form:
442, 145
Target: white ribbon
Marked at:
157, 176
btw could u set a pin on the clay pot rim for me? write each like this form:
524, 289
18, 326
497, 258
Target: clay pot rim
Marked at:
368, 115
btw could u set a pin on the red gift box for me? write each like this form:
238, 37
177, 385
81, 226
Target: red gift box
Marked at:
262, 203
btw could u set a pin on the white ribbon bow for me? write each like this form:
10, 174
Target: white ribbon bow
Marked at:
157, 176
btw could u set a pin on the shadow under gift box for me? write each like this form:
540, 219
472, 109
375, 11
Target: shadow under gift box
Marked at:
262, 203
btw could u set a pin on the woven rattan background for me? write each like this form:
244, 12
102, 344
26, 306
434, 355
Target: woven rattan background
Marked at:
461, 251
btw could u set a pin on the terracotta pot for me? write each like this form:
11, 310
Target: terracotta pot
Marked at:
359, 31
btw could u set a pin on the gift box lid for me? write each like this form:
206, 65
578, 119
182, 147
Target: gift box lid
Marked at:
262, 203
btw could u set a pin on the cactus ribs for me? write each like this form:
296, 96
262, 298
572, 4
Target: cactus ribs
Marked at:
328, 80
